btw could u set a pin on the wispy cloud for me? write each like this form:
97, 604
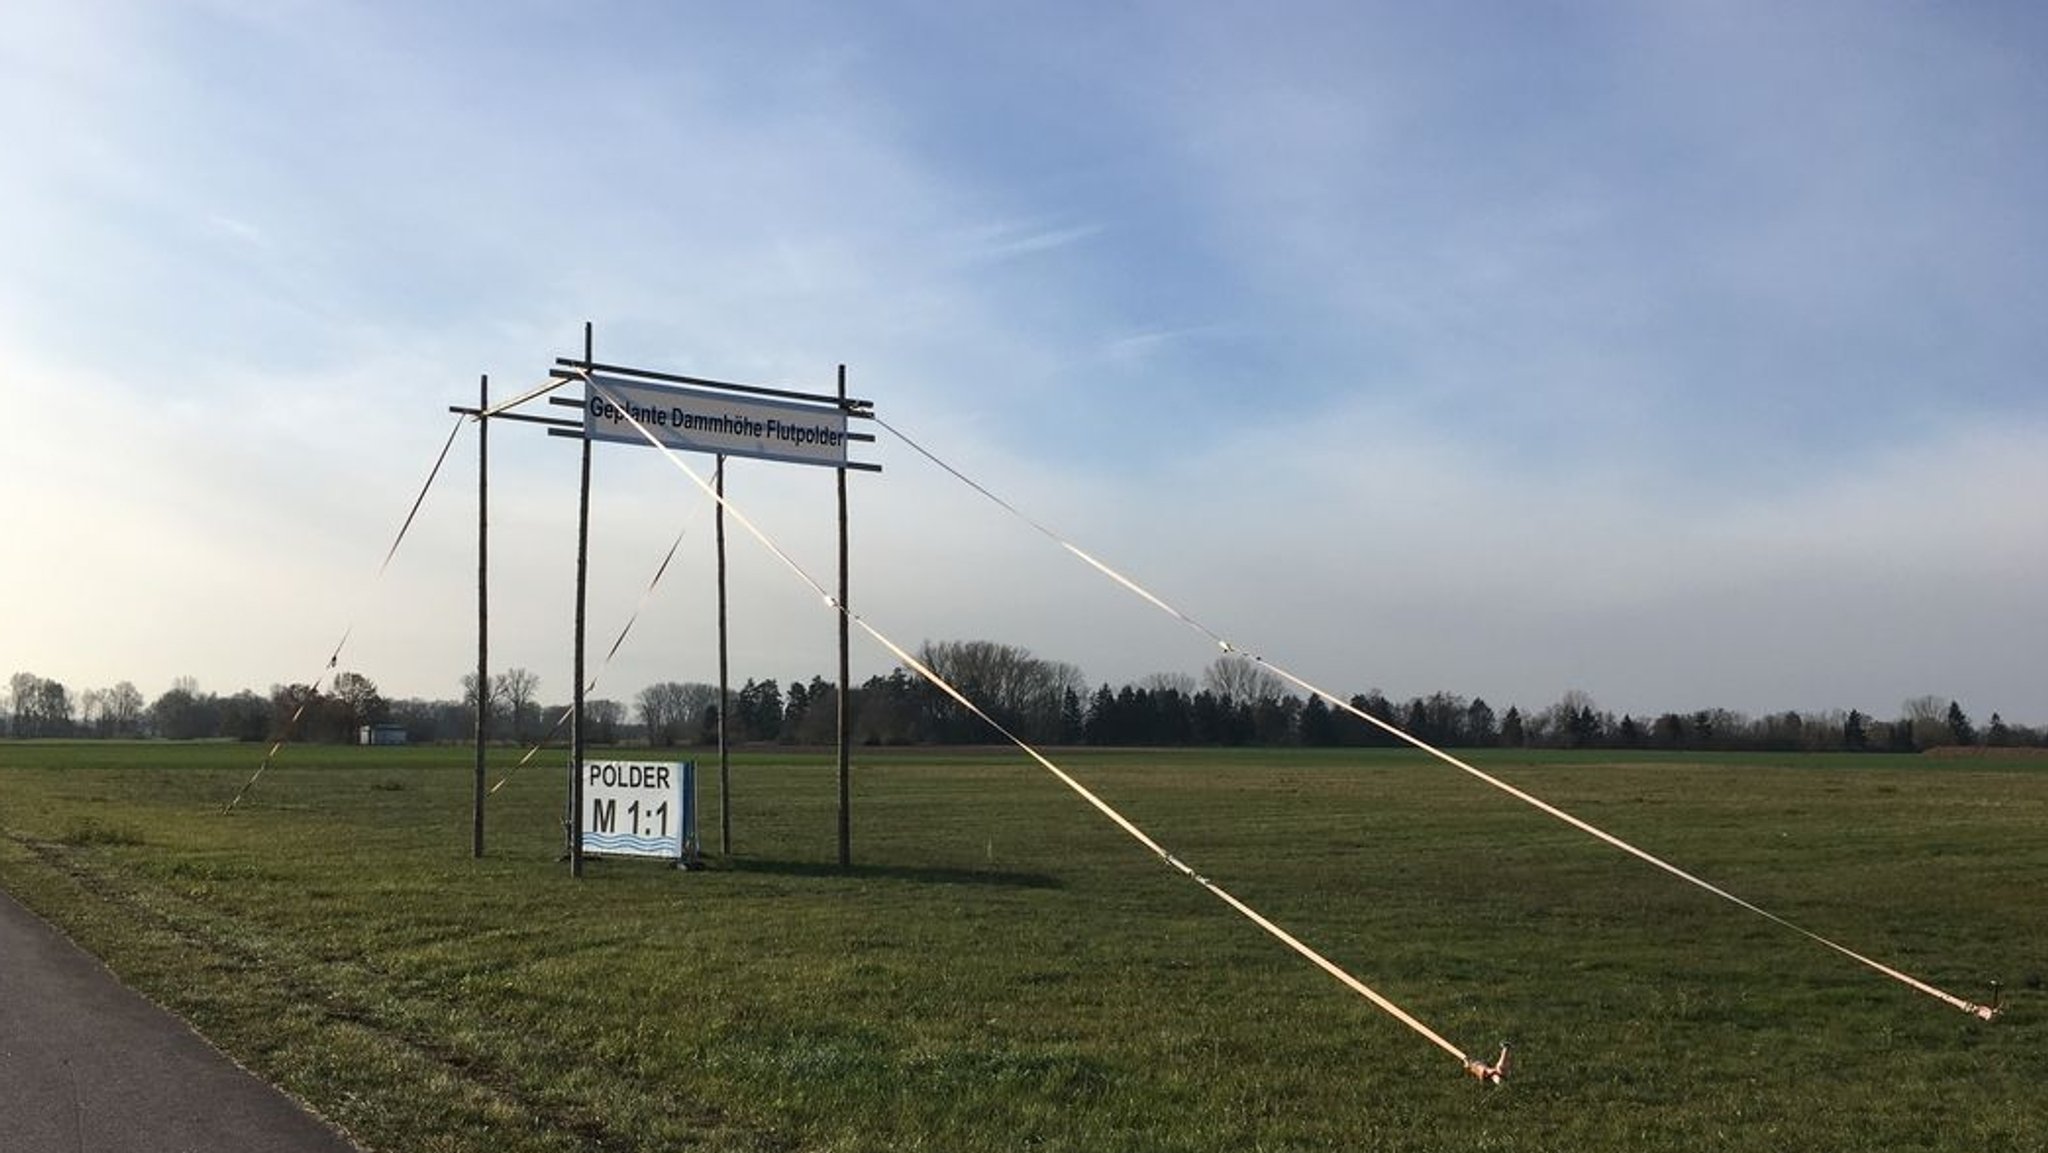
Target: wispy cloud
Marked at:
1011, 240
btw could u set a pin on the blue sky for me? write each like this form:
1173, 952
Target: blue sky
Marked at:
1685, 355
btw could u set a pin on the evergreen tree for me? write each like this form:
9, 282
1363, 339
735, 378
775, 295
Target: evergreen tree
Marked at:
1100, 725
1999, 735
1318, 724
1210, 716
1481, 729
1705, 728
1133, 707
1377, 705
1177, 712
1631, 733
1073, 723
1415, 721
758, 709
795, 703
1960, 730
1583, 728
1668, 731
1513, 734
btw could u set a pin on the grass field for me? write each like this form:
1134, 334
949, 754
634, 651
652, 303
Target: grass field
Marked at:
1004, 970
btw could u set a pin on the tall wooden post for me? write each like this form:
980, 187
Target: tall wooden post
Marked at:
845, 711
483, 608
582, 590
724, 678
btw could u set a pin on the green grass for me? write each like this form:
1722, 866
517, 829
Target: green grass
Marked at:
1004, 970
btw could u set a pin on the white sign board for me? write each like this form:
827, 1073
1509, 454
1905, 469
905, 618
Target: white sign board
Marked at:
699, 420
635, 809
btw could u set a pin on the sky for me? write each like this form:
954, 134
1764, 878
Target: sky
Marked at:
1683, 355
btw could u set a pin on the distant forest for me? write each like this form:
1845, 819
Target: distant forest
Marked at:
1236, 702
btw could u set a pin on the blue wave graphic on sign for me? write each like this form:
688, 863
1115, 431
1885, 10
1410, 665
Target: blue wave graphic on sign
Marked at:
620, 843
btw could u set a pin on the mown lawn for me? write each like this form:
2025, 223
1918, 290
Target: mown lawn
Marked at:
1005, 970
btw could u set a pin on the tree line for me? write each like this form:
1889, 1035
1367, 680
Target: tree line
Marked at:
1235, 702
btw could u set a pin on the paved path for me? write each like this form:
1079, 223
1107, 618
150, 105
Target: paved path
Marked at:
88, 1066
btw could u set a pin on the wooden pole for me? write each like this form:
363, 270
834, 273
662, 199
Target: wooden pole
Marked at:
724, 679
576, 730
483, 608
845, 712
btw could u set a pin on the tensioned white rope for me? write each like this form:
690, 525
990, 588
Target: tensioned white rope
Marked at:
1477, 1068
1059, 540
534, 749
1985, 1012
1491, 1073
560, 377
334, 658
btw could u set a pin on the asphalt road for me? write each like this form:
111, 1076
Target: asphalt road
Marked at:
89, 1066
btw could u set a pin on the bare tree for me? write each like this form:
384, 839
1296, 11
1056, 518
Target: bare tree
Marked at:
42, 707
22, 699
696, 703
493, 715
1239, 680
1024, 693
672, 710
605, 716
517, 688
657, 714
1180, 683
1926, 718
122, 708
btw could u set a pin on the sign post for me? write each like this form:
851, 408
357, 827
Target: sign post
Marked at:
577, 744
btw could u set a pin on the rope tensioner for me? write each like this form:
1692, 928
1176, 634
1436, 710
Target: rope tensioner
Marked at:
1491, 1074
1997, 1006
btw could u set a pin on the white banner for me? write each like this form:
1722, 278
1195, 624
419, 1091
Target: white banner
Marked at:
703, 421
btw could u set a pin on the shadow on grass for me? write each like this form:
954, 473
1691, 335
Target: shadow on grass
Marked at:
923, 875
